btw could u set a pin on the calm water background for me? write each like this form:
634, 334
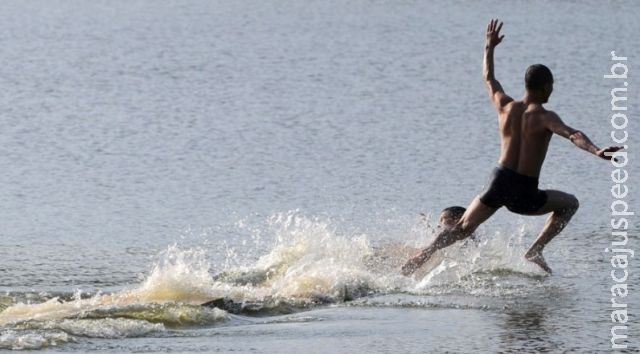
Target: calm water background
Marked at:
128, 127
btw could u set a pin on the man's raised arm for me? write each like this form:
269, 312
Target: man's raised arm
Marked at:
496, 93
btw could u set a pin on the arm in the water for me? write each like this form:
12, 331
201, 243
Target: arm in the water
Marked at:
499, 98
578, 138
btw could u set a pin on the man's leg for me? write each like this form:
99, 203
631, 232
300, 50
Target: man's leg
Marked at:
476, 214
562, 206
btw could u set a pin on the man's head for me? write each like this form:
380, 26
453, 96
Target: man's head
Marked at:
450, 216
538, 80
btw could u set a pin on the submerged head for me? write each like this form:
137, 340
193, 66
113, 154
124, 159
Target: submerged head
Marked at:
450, 216
538, 81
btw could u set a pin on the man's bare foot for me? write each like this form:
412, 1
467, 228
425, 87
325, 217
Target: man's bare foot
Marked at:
415, 262
536, 257
410, 267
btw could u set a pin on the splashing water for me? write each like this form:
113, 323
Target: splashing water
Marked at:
180, 275
311, 262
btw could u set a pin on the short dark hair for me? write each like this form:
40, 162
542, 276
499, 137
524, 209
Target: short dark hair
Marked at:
537, 76
455, 211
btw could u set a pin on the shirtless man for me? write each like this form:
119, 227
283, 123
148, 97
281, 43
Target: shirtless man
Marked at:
525, 131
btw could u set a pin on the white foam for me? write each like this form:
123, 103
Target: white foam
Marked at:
180, 276
105, 327
30, 340
310, 260
465, 267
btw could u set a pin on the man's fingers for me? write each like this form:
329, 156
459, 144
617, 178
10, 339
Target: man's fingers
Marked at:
494, 26
607, 153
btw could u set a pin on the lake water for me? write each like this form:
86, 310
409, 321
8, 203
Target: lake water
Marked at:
159, 155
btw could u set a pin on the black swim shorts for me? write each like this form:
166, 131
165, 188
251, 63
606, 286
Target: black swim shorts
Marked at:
519, 193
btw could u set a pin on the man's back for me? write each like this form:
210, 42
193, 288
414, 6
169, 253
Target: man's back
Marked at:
525, 137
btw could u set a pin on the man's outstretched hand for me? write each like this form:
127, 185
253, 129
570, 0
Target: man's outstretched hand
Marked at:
493, 33
606, 153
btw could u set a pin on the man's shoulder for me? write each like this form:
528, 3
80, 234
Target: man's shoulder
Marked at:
542, 118
549, 115
538, 116
513, 105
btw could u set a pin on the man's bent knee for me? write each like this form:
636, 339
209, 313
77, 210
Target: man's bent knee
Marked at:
571, 205
574, 204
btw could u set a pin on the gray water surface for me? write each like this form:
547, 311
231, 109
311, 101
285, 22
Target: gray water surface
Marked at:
149, 147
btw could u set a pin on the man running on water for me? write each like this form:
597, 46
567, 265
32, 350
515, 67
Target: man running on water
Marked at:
525, 130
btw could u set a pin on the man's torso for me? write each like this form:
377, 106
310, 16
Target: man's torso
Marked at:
524, 137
